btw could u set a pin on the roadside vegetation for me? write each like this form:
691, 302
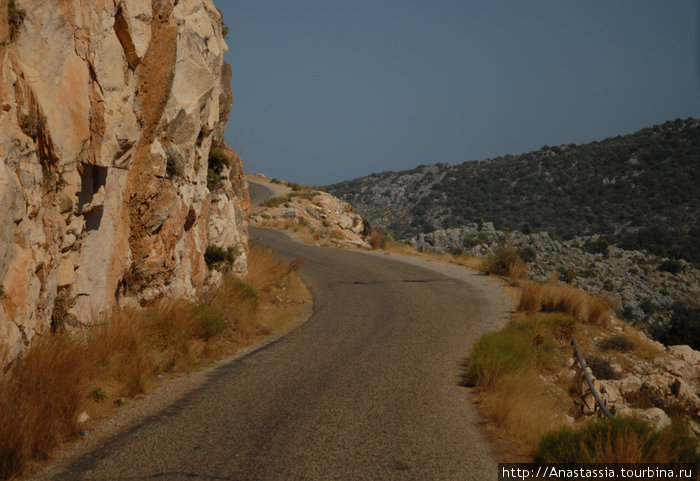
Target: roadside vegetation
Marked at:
523, 376
525, 385
98, 369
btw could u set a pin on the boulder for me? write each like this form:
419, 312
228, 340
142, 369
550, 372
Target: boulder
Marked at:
656, 417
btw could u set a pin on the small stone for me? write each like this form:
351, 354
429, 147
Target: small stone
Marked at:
83, 417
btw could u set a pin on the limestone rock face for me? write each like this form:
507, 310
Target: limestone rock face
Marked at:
108, 111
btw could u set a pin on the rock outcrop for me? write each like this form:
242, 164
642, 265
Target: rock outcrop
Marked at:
316, 216
109, 110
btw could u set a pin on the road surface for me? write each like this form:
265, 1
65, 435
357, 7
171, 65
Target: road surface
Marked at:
261, 191
367, 389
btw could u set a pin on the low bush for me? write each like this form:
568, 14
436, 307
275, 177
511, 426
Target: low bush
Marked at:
683, 328
601, 367
218, 159
520, 345
217, 257
378, 239
212, 322
618, 440
505, 262
528, 254
670, 266
616, 343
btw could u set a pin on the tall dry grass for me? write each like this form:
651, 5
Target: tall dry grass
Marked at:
505, 262
41, 396
43, 392
553, 297
520, 404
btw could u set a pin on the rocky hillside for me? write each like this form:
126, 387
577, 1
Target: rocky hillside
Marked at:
641, 191
646, 289
109, 112
316, 216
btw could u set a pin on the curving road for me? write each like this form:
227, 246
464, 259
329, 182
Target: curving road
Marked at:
365, 390
261, 191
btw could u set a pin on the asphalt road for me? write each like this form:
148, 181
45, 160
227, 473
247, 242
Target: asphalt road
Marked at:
261, 191
367, 389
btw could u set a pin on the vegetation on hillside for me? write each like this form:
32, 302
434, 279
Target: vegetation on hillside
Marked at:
641, 191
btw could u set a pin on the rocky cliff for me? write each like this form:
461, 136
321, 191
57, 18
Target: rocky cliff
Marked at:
109, 111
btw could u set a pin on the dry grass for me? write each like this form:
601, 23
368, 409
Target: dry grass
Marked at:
40, 399
43, 392
552, 297
619, 440
505, 262
520, 404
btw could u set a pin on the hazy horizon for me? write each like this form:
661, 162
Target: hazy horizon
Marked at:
327, 91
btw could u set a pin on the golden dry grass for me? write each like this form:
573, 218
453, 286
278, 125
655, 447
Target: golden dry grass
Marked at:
43, 392
552, 297
520, 405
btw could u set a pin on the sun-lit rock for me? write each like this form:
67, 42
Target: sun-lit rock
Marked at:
109, 110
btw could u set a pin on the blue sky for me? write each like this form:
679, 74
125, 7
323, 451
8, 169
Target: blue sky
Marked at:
330, 90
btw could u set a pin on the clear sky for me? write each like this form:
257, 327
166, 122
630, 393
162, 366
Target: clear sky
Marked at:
330, 90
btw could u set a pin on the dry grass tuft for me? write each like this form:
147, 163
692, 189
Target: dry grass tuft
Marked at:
40, 399
520, 404
552, 297
42, 393
618, 440
505, 262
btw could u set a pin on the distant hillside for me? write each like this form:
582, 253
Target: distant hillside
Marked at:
642, 191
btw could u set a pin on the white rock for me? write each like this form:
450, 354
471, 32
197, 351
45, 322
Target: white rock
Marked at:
654, 416
685, 352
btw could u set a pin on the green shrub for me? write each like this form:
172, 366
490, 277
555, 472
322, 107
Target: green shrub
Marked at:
247, 290
671, 266
683, 328
211, 321
620, 439
601, 368
599, 246
217, 257
469, 242
527, 254
520, 345
616, 343
218, 159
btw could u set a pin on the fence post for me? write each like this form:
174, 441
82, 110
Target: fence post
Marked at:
588, 378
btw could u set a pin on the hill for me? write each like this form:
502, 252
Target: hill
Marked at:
640, 191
